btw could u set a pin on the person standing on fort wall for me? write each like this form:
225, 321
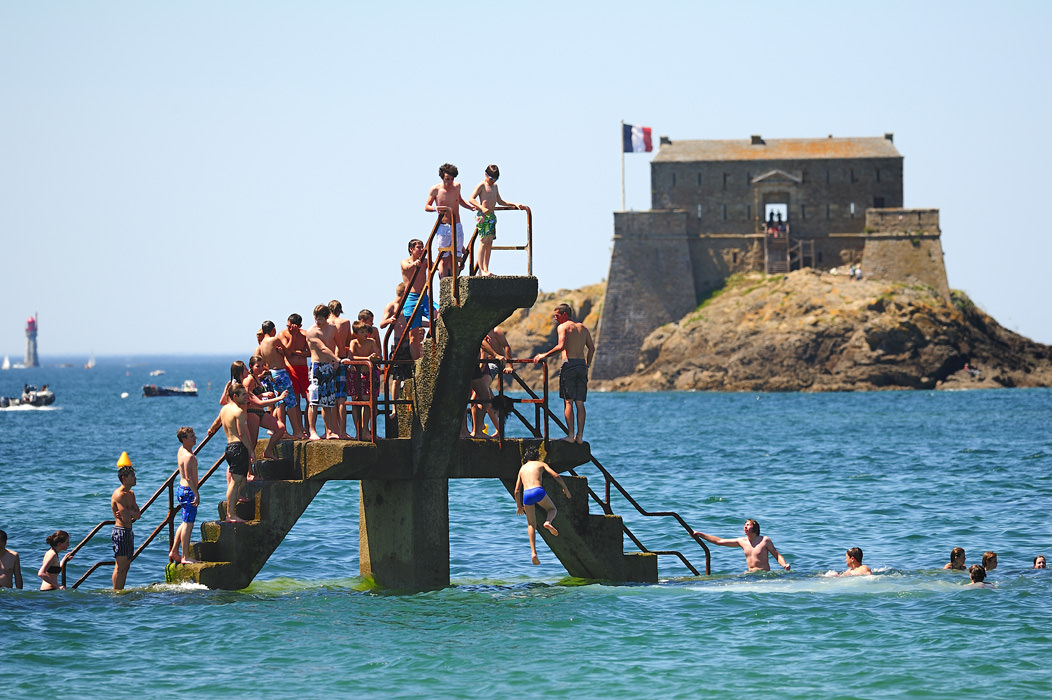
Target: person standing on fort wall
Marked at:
574, 342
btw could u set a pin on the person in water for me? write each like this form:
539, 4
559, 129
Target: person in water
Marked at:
11, 566
855, 567
125, 512
956, 562
977, 573
51, 567
529, 493
1039, 561
989, 561
757, 548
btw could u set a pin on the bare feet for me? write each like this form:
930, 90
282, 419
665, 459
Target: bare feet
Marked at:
314, 436
535, 559
189, 561
579, 440
173, 556
551, 529
299, 436
568, 439
235, 519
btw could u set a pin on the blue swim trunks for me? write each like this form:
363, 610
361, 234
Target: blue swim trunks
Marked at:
410, 304
341, 381
184, 496
322, 391
533, 496
123, 542
283, 382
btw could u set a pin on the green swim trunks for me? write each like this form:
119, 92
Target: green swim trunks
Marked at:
486, 224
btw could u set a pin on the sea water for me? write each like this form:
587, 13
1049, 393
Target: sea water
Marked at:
907, 476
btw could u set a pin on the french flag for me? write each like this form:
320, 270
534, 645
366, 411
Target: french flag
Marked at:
637, 139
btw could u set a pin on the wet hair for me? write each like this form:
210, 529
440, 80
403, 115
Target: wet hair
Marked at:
447, 168
977, 572
755, 525
335, 307
3, 541
360, 327
232, 388
183, 432
493, 171
1039, 556
365, 314
956, 553
124, 472
566, 309
855, 553
321, 311
413, 242
267, 327
59, 537
237, 370
989, 558
531, 453
296, 319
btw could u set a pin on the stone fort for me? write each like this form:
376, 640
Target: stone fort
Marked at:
721, 207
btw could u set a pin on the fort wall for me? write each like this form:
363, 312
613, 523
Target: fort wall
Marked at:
905, 245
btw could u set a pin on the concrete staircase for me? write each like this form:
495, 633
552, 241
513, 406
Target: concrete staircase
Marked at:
589, 546
776, 249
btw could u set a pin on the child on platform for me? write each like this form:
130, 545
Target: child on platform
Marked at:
485, 199
363, 347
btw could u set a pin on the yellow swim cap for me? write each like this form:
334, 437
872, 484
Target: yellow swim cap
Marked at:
124, 461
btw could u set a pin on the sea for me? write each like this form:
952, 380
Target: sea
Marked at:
906, 475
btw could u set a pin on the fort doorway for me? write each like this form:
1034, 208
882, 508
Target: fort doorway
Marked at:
777, 212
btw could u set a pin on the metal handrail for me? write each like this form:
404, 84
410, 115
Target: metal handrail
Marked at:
168, 484
473, 268
605, 504
371, 401
539, 429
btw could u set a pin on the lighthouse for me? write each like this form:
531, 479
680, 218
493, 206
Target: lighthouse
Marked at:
31, 343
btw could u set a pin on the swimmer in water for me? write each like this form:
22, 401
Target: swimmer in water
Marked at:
757, 548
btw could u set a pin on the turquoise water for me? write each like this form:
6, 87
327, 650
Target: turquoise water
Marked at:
905, 476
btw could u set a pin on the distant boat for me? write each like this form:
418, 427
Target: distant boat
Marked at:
187, 389
91, 362
31, 396
156, 372
7, 363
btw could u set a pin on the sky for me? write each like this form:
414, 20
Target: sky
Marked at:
174, 173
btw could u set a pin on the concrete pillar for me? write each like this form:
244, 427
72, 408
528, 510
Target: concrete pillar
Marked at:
404, 533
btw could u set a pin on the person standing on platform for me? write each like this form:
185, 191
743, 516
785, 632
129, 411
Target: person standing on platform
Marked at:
296, 355
125, 512
445, 197
273, 350
575, 343
187, 495
485, 198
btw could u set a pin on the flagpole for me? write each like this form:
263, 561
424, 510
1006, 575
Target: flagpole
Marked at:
621, 139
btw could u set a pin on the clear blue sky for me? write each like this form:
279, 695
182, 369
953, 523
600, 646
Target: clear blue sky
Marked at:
173, 173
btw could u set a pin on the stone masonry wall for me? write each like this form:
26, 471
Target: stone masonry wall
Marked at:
650, 283
905, 245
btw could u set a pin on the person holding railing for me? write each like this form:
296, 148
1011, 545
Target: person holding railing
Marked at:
575, 343
530, 493
51, 566
399, 371
234, 419
360, 378
445, 197
485, 199
125, 512
414, 276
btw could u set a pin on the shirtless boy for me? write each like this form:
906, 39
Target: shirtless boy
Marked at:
125, 512
397, 373
186, 495
234, 419
956, 562
485, 198
855, 567
530, 493
757, 547
445, 197
321, 341
361, 378
10, 565
414, 276
343, 339
575, 343
273, 350
296, 356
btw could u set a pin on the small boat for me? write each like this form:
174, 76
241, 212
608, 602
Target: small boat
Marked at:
31, 396
91, 362
187, 389
156, 372
7, 363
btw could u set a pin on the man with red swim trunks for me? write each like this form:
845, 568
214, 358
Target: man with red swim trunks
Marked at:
296, 355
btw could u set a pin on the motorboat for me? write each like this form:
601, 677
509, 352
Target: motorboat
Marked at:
187, 389
31, 396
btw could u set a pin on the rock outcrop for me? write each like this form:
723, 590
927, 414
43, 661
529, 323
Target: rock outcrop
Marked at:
812, 331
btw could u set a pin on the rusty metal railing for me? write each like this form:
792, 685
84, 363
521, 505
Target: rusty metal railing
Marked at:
472, 267
169, 521
604, 503
505, 405
368, 374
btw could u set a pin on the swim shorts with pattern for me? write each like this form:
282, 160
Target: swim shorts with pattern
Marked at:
486, 224
322, 391
184, 496
282, 382
123, 542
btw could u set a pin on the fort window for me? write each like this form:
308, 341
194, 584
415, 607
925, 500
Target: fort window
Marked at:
803, 211
829, 213
699, 179
852, 210
726, 177
734, 257
699, 211
724, 212
851, 172
748, 212
673, 179
818, 256
878, 202
827, 177
878, 174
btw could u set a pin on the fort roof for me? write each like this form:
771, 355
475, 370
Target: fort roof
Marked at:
757, 148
